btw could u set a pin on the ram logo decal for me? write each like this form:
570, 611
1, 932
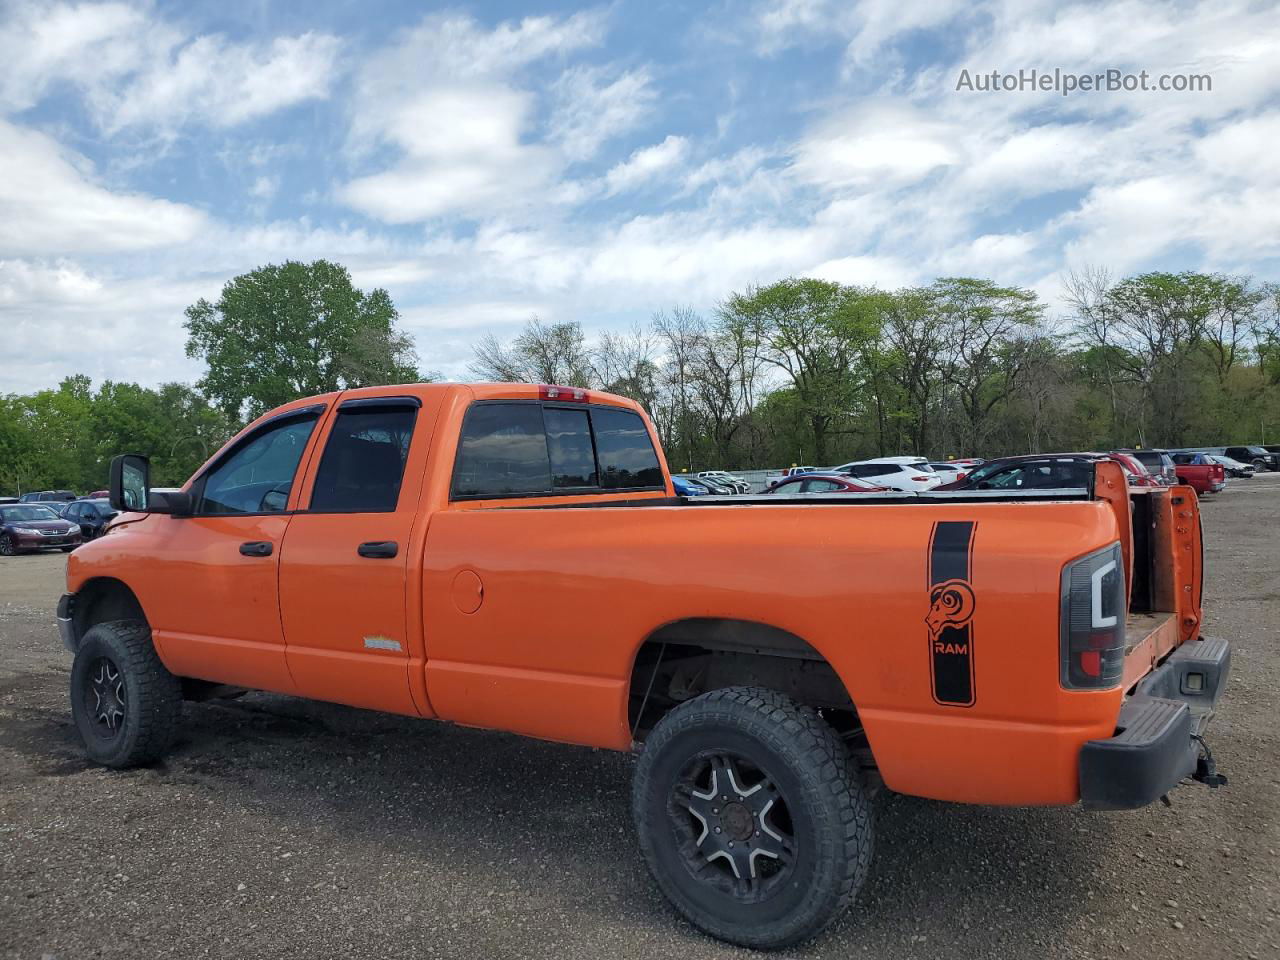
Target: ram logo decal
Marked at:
949, 620
950, 605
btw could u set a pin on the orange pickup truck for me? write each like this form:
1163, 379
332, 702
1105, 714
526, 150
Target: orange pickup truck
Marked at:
513, 557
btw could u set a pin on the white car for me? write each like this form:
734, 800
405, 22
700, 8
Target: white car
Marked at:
909, 474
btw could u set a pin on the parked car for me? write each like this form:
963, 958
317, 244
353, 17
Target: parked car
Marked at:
951, 471
1234, 468
686, 487
737, 484
29, 526
423, 549
1158, 463
97, 495
1135, 470
1259, 456
825, 483
1200, 473
714, 487
772, 478
1036, 471
92, 516
36, 496
909, 474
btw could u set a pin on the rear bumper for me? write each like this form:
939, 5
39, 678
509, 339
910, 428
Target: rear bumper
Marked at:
1153, 748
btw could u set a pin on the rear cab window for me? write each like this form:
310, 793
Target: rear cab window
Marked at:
516, 448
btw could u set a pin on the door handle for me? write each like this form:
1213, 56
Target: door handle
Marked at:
378, 549
256, 548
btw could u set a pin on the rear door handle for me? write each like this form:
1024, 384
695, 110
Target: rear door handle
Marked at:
256, 548
379, 549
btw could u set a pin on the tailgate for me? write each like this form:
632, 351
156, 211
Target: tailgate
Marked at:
1165, 578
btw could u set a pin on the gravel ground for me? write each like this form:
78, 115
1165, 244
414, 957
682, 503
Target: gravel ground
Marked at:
283, 828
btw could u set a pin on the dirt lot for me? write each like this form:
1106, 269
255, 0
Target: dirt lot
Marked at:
282, 828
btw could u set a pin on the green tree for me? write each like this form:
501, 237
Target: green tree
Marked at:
294, 329
818, 333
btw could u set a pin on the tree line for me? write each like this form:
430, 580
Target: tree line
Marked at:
813, 372
798, 371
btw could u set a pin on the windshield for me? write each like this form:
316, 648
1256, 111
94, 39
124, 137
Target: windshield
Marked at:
26, 514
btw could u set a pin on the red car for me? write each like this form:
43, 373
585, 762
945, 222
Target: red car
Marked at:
825, 483
31, 526
1135, 469
1199, 472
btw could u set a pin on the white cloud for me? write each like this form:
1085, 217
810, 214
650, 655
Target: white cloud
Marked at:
136, 71
875, 145
592, 107
443, 97
646, 163
50, 204
886, 273
264, 187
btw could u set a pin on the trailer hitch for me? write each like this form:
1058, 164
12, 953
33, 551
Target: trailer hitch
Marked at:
1206, 771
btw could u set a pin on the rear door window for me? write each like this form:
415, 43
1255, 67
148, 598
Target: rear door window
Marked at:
626, 454
364, 457
502, 452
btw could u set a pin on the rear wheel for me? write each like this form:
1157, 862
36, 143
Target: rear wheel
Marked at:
125, 703
751, 817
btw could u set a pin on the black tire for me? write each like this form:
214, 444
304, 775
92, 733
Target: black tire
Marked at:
764, 742
125, 703
7, 548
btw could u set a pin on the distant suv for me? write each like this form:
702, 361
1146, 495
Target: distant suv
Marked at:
1259, 456
37, 496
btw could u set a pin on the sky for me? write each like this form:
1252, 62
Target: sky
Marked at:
488, 163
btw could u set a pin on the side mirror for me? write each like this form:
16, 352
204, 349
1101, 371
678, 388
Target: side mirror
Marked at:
130, 489
130, 482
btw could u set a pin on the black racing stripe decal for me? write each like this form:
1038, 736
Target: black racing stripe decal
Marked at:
950, 616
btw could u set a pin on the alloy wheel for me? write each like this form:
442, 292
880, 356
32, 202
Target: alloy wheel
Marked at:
733, 826
105, 697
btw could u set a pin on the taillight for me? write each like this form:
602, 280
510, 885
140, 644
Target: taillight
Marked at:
551, 391
921, 479
1093, 620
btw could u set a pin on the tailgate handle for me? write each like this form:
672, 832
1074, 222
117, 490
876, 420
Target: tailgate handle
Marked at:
256, 548
379, 549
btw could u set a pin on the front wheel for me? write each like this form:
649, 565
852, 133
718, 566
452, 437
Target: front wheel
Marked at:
7, 547
125, 703
751, 817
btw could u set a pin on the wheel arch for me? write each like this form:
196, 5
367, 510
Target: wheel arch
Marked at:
101, 599
687, 657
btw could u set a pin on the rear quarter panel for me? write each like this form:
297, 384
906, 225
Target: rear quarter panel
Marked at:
570, 594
